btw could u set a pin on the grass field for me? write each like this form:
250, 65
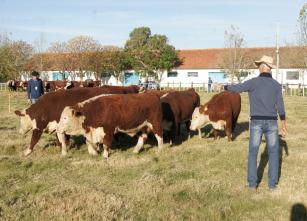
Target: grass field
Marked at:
197, 180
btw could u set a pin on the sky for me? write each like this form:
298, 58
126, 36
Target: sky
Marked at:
192, 24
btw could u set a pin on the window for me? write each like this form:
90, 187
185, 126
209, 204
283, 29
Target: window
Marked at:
192, 74
172, 74
293, 75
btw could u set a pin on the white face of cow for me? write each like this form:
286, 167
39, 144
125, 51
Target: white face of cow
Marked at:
70, 122
199, 120
26, 124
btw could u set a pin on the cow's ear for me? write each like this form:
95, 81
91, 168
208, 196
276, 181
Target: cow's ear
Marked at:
18, 113
76, 113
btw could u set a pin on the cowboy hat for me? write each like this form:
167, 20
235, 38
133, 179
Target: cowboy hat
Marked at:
266, 60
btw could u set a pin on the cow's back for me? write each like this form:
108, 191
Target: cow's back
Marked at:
50, 106
124, 111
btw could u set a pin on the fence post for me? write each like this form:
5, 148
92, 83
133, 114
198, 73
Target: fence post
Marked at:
192, 85
180, 86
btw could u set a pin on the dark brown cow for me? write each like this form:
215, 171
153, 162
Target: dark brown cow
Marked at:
100, 117
178, 108
91, 83
12, 85
222, 111
44, 115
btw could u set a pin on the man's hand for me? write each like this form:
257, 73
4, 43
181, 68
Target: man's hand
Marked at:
283, 128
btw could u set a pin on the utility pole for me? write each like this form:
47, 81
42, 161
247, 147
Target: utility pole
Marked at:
277, 53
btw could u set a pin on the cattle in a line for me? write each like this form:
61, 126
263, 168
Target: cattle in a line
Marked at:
44, 115
99, 118
14, 85
222, 111
177, 108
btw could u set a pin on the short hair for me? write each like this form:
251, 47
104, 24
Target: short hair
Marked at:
34, 73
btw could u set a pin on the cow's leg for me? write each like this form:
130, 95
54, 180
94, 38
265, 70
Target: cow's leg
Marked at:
140, 143
92, 149
107, 141
36, 134
160, 141
62, 139
188, 124
228, 130
215, 133
199, 133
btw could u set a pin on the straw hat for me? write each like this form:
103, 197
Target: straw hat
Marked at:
266, 60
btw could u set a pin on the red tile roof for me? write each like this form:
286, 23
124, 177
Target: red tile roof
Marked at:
212, 58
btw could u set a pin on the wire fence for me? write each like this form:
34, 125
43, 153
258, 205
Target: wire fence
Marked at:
288, 89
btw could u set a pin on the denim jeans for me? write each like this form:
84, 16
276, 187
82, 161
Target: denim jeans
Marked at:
270, 130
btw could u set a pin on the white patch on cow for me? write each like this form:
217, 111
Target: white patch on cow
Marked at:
70, 124
26, 124
160, 141
166, 125
67, 85
219, 125
164, 95
131, 132
91, 148
95, 135
105, 154
140, 143
81, 104
52, 126
62, 139
199, 120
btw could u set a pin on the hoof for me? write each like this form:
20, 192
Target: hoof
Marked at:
27, 152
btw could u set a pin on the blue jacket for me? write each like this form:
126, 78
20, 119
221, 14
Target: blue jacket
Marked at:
35, 88
265, 97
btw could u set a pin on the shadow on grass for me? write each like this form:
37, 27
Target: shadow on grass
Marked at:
298, 212
240, 128
265, 159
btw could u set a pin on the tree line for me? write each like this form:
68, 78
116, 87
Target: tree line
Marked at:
81, 56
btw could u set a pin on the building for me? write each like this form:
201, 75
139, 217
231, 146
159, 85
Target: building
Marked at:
201, 64
198, 65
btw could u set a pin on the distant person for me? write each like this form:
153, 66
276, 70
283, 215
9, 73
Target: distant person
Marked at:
266, 101
35, 87
209, 84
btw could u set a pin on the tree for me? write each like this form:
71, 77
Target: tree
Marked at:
300, 57
234, 59
150, 55
21, 52
80, 48
62, 59
13, 56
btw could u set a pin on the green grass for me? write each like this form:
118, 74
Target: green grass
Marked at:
197, 180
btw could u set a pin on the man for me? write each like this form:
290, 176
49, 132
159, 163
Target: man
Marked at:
265, 95
35, 87
209, 84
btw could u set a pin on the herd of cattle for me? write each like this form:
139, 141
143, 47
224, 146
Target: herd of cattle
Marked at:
50, 86
100, 113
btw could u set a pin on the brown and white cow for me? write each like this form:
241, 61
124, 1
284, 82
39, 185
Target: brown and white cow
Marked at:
100, 117
178, 107
222, 111
44, 115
